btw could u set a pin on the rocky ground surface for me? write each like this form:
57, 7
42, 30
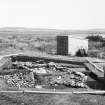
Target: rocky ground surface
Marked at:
43, 73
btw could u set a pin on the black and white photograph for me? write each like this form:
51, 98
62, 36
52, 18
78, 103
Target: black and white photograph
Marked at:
52, 52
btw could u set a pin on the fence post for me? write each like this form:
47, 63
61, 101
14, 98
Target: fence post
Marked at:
104, 73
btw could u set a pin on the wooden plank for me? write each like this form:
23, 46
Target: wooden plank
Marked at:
94, 70
95, 66
56, 92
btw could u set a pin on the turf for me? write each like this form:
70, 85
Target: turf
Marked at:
50, 99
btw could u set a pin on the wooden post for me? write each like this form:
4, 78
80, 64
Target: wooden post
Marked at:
104, 73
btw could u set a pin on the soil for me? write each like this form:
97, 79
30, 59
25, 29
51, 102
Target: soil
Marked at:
50, 99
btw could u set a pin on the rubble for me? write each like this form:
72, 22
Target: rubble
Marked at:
70, 79
19, 80
44, 73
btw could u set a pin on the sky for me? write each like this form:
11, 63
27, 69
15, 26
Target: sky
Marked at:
53, 14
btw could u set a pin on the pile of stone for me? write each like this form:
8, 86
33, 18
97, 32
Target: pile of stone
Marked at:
43, 72
19, 80
72, 79
58, 75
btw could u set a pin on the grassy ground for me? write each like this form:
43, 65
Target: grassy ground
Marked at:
50, 99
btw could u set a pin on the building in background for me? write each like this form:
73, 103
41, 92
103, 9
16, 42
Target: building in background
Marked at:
69, 45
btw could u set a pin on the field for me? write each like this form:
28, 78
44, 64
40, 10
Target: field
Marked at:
14, 40
50, 99
19, 40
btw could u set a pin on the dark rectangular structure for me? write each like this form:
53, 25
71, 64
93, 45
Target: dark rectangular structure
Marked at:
62, 45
